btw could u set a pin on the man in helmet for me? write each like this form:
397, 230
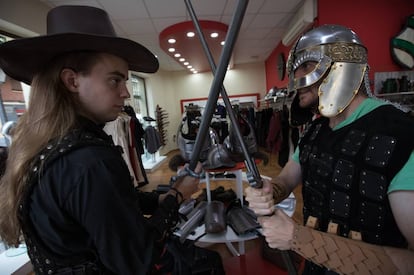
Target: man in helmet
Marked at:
354, 162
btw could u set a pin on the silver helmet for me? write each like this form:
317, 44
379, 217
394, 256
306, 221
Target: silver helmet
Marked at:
248, 134
187, 134
218, 155
342, 66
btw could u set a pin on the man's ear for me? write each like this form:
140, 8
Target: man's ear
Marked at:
70, 79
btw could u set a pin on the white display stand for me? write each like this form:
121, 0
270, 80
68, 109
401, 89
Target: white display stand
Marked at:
229, 236
15, 261
152, 161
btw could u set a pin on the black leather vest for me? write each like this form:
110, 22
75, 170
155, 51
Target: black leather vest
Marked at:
346, 173
43, 260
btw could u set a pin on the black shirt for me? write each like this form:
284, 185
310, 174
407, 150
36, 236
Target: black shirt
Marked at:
85, 201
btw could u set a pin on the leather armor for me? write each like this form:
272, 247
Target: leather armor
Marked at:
347, 172
43, 260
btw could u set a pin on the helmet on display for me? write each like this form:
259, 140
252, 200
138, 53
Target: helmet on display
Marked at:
341, 57
218, 155
249, 138
186, 136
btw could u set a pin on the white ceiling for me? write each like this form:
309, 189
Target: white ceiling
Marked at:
263, 25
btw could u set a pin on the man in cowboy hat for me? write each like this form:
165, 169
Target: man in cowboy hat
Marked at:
66, 186
355, 162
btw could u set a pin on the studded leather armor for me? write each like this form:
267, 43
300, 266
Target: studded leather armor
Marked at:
346, 173
43, 260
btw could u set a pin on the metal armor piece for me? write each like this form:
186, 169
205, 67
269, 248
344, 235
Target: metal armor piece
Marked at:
248, 135
218, 155
334, 96
346, 173
340, 56
187, 133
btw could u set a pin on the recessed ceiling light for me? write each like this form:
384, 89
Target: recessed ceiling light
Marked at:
186, 63
189, 67
194, 72
184, 31
222, 43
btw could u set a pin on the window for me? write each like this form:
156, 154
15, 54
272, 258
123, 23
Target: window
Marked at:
139, 95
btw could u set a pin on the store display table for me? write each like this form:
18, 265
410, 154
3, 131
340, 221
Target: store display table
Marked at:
229, 236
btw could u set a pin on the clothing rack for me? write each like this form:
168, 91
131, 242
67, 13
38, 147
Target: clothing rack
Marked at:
276, 102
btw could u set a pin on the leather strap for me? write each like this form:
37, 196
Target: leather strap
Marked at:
342, 255
279, 192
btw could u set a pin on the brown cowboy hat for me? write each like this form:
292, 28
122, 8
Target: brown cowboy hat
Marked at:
69, 29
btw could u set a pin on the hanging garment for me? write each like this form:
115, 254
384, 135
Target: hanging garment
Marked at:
274, 136
284, 150
121, 134
136, 129
137, 135
152, 139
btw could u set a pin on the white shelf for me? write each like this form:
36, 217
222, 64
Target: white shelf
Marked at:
15, 261
395, 94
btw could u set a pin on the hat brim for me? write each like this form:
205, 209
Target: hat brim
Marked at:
22, 58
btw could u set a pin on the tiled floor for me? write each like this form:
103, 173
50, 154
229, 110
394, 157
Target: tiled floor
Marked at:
252, 262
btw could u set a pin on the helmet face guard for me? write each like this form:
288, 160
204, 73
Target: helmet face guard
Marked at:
341, 65
334, 96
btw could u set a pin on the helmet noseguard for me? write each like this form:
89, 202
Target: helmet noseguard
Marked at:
341, 64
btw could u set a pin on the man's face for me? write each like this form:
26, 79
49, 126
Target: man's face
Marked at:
308, 96
103, 91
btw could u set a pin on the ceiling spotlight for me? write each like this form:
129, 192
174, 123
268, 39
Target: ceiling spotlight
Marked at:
222, 43
194, 72
189, 67
182, 37
214, 34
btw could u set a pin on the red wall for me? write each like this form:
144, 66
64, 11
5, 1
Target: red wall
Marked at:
375, 22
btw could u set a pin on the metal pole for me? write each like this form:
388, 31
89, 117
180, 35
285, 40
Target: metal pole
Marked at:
217, 87
217, 82
254, 179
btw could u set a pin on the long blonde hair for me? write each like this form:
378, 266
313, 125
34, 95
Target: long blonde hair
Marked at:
52, 112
